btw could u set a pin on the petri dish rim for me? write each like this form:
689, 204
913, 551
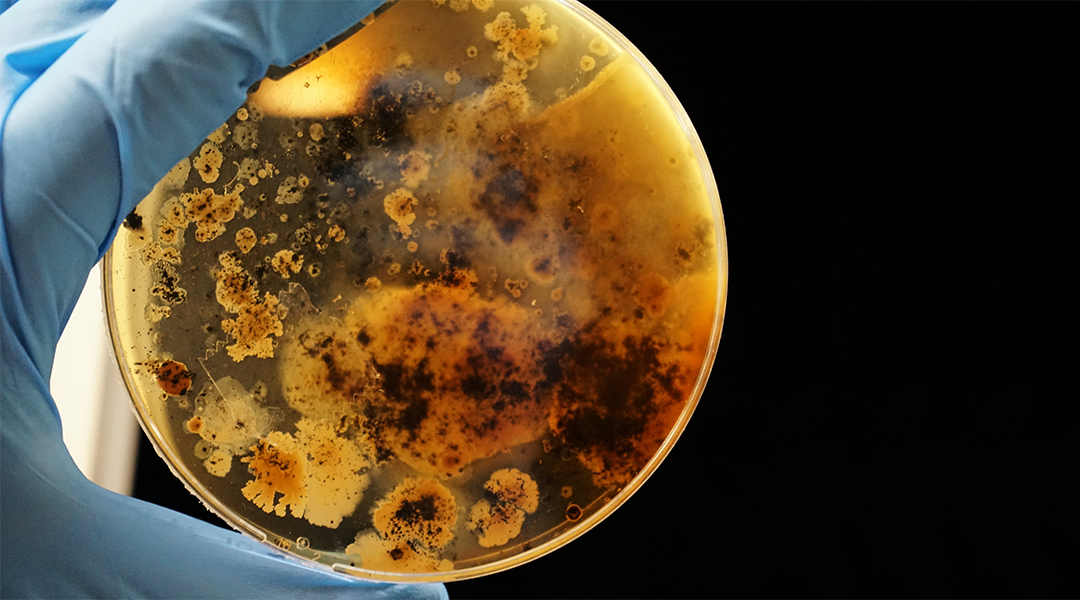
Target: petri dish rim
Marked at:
609, 504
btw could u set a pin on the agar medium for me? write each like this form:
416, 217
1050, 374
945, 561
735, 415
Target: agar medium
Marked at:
433, 303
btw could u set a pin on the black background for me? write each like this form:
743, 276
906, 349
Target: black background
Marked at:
892, 410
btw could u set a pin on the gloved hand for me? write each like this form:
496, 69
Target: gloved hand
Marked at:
99, 100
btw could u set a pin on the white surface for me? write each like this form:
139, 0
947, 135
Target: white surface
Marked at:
99, 427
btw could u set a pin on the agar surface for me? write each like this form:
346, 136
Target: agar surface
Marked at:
442, 298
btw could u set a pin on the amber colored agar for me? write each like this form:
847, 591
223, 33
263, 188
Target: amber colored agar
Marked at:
434, 303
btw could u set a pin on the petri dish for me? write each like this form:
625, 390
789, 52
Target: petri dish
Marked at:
436, 299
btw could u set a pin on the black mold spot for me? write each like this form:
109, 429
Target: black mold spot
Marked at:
476, 387
386, 118
613, 395
414, 414
133, 221
515, 391
168, 288
421, 510
509, 199
509, 229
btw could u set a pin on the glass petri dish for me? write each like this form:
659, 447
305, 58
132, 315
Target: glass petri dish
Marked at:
434, 302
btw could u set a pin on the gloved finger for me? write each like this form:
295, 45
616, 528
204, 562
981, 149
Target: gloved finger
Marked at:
34, 33
68, 538
133, 95
142, 91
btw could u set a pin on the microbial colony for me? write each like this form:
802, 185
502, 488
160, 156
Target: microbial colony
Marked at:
429, 300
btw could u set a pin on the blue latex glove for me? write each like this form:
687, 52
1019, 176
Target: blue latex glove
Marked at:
99, 100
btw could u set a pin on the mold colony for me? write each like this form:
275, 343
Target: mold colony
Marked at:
450, 286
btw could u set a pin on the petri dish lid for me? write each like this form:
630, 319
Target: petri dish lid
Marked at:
434, 302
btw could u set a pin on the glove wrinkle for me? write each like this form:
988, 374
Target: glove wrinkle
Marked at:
34, 33
47, 185
27, 412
